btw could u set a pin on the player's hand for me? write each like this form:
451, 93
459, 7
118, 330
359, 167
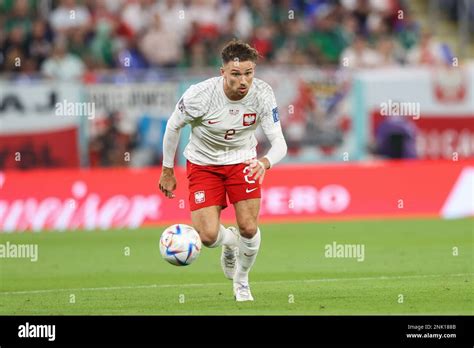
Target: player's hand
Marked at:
167, 182
257, 168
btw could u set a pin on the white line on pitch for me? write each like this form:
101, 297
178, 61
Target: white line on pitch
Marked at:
160, 286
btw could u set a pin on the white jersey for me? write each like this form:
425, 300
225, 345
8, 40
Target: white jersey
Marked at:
223, 130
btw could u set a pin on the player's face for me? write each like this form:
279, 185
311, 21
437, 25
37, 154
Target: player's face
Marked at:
238, 77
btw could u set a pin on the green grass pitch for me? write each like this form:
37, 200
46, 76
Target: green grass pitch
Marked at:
410, 267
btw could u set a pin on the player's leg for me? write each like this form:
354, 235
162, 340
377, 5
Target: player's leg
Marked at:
207, 198
207, 222
244, 193
249, 244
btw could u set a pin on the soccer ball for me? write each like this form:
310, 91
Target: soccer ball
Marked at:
180, 245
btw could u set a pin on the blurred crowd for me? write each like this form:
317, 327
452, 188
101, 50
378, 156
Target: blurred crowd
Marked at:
455, 9
86, 39
69, 39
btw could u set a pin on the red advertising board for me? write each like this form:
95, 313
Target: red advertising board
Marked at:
52, 148
107, 198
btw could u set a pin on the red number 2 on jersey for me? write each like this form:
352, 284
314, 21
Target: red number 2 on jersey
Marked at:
229, 134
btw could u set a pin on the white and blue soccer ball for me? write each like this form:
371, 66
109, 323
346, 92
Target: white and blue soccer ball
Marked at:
180, 245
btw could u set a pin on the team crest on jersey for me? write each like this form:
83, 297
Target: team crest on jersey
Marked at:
233, 112
249, 119
199, 197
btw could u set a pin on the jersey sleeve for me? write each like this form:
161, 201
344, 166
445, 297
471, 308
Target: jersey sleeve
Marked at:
271, 127
186, 111
190, 105
270, 119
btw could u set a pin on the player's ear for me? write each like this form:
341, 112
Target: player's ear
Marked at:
222, 71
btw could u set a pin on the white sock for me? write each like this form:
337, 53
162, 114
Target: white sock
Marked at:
225, 237
247, 246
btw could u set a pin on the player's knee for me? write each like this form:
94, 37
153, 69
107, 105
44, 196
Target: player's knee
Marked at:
208, 240
208, 236
248, 230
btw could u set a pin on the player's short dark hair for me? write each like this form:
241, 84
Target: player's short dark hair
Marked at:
238, 50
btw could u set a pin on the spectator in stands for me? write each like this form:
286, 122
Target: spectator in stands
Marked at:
69, 17
290, 43
228, 29
262, 41
407, 31
138, 15
62, 65
102, 45
104, 15
198, 55
429, 52
349, 29
206, 21
2, 43
129, 57
370, 14
14, 49
28, 72
326, 39
158, 37
114, 6
361, 11
39, 42
261, 11
237, 12
173, 16
202, 42
359, 55
78, 45
385, 53
19, 17
100, 13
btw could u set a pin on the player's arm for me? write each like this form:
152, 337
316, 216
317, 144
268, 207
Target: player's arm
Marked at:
180, 117
275, 154
278, 149
167, 182
272, 129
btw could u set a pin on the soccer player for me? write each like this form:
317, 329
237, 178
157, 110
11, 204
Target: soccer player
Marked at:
224, 113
